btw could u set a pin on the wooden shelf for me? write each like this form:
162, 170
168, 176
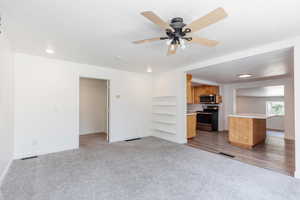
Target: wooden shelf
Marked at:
165, 131
163, 113
163, 122
164, 96
164, 104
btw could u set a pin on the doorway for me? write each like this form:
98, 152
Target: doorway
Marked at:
93, 112
265, 100
260, 103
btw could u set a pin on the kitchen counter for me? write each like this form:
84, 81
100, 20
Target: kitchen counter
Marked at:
193, 113
191, 124
249, 115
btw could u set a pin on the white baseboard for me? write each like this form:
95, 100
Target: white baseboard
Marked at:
47, 151
20, 156
171, 138
2, 176
92, 132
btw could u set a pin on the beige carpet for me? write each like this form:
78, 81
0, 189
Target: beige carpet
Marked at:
147, 169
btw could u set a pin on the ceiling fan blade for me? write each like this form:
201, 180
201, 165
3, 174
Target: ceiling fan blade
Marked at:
147, 40
204, 41
172, 51
156, 20
211, 18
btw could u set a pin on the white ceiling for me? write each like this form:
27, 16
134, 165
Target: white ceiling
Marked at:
264, 66
100, 32
270, 91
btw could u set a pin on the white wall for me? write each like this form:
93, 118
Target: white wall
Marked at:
257, 105
271, 91
230, 101
254, 104
47, 104
276, 123
6, 106
93, 106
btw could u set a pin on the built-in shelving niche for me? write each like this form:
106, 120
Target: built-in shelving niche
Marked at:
164, 114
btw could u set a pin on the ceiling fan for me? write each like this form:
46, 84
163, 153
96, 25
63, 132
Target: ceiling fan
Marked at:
176, 31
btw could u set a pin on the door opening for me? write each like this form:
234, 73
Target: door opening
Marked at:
93, 112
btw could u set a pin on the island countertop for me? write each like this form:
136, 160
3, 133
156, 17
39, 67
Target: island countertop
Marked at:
191, 113
249, 115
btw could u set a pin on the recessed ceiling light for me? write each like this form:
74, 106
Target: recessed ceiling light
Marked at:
149, 69
50, 51
244, 75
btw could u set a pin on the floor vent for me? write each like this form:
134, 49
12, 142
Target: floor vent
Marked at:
27, 158
133, 139
226, 154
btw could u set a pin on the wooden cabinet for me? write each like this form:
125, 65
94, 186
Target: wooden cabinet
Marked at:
205, 90
191, 125
219, 99
189, 89
194, 92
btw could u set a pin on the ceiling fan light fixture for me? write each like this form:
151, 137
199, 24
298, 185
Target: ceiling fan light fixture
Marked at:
50, 51
244, 75
172, 47
169, 42
182, 43
149, 69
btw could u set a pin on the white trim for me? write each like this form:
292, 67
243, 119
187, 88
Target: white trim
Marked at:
5, 171
20, 156
297, 174
94, 132
39, 153
206, 82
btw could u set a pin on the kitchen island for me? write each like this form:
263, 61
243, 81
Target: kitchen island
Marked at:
247, 130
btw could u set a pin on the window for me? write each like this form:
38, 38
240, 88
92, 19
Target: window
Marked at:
275, 108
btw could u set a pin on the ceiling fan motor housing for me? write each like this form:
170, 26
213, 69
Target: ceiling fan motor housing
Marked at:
178, 33
177, 23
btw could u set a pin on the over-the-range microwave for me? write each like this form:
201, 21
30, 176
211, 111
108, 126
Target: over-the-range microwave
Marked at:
208, 99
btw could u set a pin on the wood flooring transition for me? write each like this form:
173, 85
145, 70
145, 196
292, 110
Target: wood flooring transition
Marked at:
277, 153
93, 139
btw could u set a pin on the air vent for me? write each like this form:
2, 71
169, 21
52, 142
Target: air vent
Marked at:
226, 154
133, 139
27, 158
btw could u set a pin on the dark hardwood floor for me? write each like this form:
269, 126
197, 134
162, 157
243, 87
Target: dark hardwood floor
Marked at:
276, 154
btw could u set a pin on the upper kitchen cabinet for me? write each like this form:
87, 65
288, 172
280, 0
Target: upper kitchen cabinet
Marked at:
205, 90
189, 89
193, 93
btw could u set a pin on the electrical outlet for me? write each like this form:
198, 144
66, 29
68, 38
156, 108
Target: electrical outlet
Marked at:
34, 142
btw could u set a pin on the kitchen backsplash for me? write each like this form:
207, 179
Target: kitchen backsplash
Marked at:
194, 107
